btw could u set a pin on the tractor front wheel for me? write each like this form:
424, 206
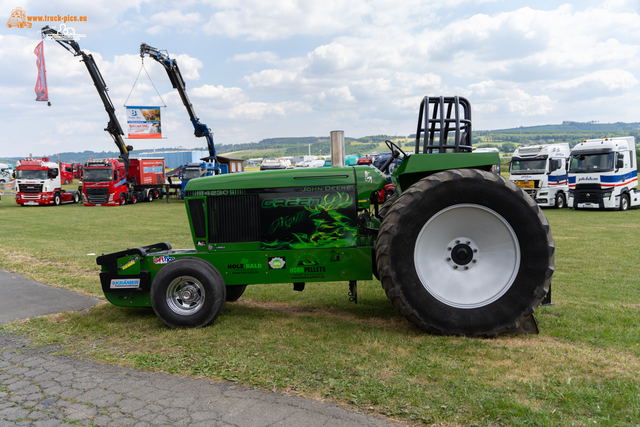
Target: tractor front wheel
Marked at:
465, 252
188, 293
234, 292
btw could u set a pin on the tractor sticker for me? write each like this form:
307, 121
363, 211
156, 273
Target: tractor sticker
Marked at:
318, 219
129, 264
162, 259
307, 266
244, 267
277, 263
125, 283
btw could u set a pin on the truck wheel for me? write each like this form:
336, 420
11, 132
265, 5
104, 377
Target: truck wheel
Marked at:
624, 202
465, 252
76, 197
188, 293
561, 201
150, 196
56, 199
134, 198
66, 182
234, 292
122, 200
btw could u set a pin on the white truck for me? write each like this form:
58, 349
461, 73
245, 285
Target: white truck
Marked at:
5, 174
541, 171
38, 183
603, 174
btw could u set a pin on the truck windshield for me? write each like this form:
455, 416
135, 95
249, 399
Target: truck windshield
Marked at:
191, 173
520, 167
601, 162
97, 175
27, 174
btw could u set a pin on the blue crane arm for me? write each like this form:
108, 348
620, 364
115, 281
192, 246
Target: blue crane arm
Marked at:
175, 76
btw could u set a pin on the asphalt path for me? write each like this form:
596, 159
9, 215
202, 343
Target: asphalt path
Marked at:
23, 298
39, 388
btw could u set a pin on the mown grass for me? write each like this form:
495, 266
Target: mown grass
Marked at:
583, 368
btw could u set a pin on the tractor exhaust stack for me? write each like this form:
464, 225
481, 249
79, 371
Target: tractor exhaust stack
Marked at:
337, 148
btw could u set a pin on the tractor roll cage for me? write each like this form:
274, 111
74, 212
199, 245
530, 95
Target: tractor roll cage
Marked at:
439, 124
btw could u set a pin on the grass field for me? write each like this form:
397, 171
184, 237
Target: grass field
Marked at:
582, 369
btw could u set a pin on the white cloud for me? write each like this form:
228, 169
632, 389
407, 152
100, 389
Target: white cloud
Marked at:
253, 111
267, 78
268, 57
221, 96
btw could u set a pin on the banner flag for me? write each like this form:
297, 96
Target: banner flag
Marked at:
42, 93
144, 122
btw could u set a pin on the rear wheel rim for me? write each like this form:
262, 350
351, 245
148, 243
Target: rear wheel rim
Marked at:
185, 295
467, 256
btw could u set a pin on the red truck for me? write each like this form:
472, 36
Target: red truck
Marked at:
38, 182
66, 173
77, 170
106, 183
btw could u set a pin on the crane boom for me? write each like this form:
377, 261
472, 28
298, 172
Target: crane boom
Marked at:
113, 126
173, 71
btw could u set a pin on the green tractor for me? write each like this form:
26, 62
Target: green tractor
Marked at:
458, 249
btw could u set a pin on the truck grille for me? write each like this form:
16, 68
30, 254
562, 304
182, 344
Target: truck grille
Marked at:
234, 219
31, 188
588, 193
97, 196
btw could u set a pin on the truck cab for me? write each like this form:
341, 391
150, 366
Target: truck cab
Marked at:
38, 183
541, 171
104, 183
5, 173
195, 170
603, 174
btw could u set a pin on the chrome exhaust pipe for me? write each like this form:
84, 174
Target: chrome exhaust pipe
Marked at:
338, 150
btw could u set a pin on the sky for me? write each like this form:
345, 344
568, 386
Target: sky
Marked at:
259, 69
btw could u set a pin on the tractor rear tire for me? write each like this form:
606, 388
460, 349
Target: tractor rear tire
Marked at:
234, 292
188, 293
465, 252
387, 205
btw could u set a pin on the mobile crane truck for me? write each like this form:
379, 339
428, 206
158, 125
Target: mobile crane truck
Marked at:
459, 251
210, 165
94, 190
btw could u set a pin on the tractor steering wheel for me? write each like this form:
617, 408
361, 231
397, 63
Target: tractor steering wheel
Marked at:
394, 155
